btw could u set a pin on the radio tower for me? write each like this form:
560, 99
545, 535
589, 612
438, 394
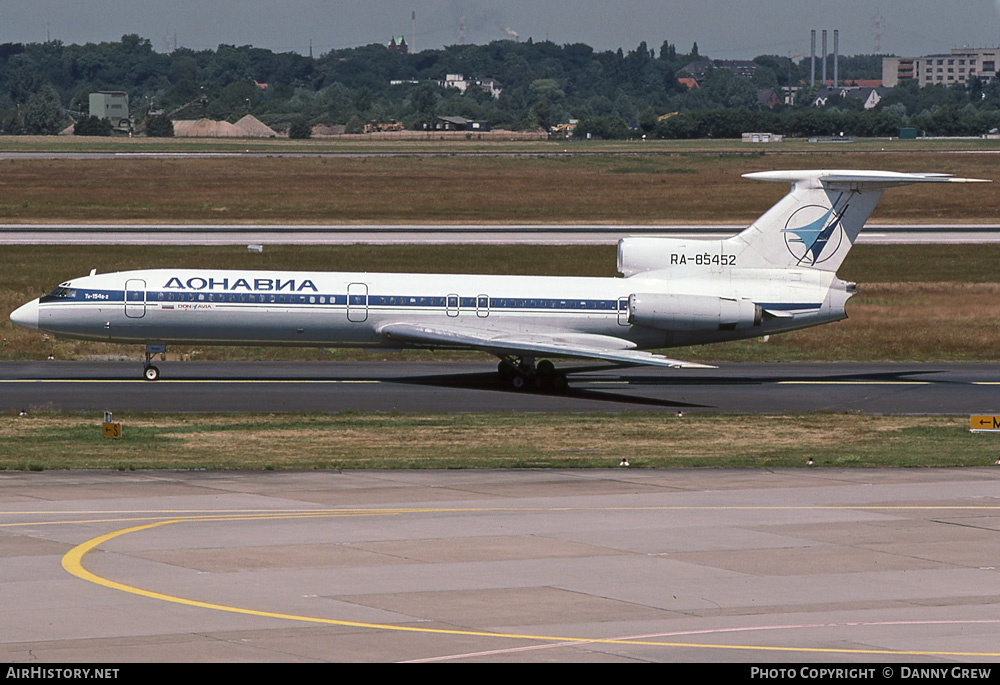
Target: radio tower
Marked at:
878, 29
461, 29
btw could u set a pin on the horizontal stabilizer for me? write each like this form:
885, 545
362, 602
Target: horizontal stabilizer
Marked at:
777, 314
856, 180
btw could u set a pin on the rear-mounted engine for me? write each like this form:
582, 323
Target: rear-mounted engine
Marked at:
692, 312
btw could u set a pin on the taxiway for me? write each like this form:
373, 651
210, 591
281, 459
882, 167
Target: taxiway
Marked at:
786, 566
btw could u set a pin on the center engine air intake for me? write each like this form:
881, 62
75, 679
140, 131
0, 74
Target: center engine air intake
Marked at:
692, 312
640, 254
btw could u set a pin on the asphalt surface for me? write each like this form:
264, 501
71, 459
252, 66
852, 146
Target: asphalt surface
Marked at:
932, 388
436, 234
807, 566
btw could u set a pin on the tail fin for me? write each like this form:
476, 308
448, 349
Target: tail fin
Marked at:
816, 224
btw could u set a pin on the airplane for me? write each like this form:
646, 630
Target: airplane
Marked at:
777, 275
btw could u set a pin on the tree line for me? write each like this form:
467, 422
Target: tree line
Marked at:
613, 94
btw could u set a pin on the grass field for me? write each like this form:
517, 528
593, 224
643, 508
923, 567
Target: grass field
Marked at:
352, 441
612, 184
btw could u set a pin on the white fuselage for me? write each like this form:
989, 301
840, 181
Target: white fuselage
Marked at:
349, 309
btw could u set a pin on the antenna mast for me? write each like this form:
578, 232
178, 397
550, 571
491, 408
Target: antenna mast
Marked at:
878, 28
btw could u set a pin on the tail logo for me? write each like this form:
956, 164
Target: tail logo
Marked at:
813, 234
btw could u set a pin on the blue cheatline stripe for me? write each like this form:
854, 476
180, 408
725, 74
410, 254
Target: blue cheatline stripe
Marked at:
154, 297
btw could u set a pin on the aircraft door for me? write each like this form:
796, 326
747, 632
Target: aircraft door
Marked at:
623, 311
452, 305
357, 302
135, 298
483, 306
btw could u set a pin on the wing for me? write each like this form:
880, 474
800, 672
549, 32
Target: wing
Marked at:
580, 345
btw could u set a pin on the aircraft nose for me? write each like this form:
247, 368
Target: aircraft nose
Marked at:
26, 315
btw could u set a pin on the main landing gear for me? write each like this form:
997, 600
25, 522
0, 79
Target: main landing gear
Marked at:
522, 373
149, 371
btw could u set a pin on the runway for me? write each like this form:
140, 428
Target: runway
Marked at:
780, 567
884, 388
436, 234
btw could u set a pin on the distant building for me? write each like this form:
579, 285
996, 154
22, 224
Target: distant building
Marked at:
895, 70
398, 44
763, 138
959, 66
700, 68
454, 81
111, 105
862, 82
823, 96
869, 96
461, 124
490, 85
768, 98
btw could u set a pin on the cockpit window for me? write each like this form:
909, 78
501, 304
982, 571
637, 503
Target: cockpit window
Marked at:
63, 293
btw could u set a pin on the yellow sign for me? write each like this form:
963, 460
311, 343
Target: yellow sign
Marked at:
982, 424
112, 430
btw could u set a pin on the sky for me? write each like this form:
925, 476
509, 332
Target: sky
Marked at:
723, 29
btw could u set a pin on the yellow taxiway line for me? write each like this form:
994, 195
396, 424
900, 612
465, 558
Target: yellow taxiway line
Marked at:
72, 562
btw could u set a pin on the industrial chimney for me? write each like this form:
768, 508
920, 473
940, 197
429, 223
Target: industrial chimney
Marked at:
812, 59
836, 57
824, 58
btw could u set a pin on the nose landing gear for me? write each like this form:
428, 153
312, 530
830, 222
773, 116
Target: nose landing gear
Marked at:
149, 371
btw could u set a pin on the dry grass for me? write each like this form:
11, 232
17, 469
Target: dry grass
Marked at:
486, 441
888, 322
670, 187
926, 320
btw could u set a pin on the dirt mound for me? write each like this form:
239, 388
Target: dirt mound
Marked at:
247, 127
254, 128
204, 128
